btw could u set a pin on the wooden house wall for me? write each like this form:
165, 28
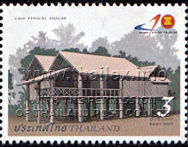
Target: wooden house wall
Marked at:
148, 88
159, 90
112, 83
95, 84
107, 83
66, 80
130, 88
59, 63
85, 83
33, 92
144, 88
35, 66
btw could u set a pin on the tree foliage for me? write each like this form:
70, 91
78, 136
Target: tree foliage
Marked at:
101, 51
11, 94
10, 84
134, 60
42, 41
174, 88
67, 37
158, 49
100, 42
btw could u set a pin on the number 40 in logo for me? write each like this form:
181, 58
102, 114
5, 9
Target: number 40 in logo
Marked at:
166, 105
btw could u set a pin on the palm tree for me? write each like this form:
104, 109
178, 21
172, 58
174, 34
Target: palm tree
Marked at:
42, 41
67, 37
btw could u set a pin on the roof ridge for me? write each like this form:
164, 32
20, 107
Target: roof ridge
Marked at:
45, 55
95, 55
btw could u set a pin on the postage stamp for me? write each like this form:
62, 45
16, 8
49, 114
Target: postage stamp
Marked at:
93, 73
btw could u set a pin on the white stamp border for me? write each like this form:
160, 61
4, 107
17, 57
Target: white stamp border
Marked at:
93, 139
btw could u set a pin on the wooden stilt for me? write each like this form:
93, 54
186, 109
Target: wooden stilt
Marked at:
75, 109
65, 107
80, 104
120, 107
88, 107
80, 110
39, 105
149, 109
117, 106
51, 101
137, 107
102, 99
39, 111
107, 106
28, 105
101, 108
121, 98
94, 107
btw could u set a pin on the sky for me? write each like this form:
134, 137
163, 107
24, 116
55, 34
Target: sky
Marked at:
96, 21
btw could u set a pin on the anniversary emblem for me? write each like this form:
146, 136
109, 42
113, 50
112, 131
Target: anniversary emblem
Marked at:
79, 72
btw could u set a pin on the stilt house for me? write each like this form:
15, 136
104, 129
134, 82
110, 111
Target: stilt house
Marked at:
78, 75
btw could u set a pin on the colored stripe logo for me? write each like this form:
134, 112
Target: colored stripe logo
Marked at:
156, 19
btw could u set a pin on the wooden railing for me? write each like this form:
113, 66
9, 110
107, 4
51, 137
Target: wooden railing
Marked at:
95, 92
45, 92
63, 91
100, 92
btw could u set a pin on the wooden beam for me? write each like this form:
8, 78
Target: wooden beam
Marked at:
51, 101
80, 105
27, 102
102, 99
121, 98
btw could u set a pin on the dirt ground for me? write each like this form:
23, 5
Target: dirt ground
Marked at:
142, 126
